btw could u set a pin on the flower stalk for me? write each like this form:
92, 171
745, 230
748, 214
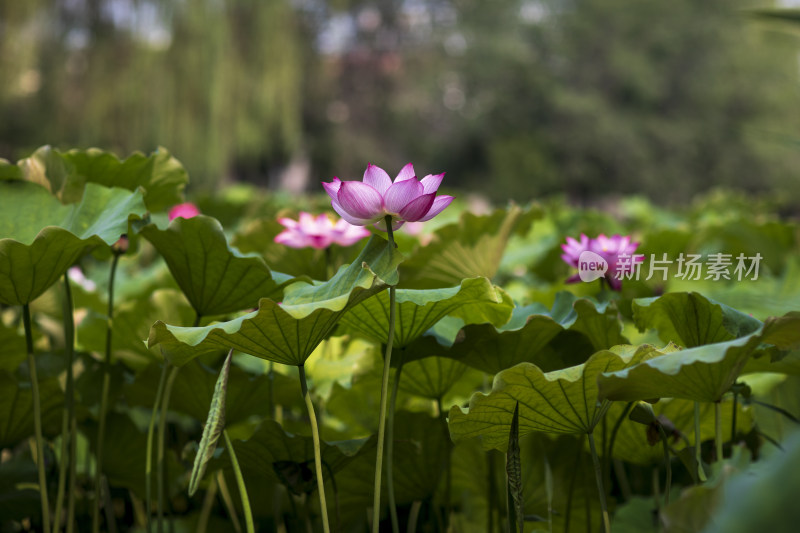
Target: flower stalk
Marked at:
317, 448
37, 417
387, 360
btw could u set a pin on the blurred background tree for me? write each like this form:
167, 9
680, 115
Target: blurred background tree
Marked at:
515, 98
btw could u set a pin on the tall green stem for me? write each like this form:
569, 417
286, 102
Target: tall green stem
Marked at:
98, 472
317, 449
718, 429
390, 448
73, 461
248, 515
667, 463
148, 462
162, 429
698, 453
66, 416
598, 474
37, 417
376, 497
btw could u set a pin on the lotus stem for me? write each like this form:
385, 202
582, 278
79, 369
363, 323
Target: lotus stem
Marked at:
733, 417
598, 474
228, 501
718, 430
98, 474
162, 428
317, 449
390, 448
208, 502
148, 462
376, 498
37, 417
248, 515
667, 463
73, 460
698, 452
413, 516
66, 416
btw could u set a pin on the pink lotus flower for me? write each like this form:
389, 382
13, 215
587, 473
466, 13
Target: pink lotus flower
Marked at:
187, 210
407, 199
617, 251
318, 232
573, 250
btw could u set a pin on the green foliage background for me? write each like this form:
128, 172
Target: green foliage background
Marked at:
516, 98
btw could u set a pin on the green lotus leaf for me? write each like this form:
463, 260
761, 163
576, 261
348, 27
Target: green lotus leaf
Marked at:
432, 377
193, 390
216, 278
471, 247
19, 497
551, 339
272, 453
43, 238
562, 401
420, 457
701, 374
16, 409
126, 445
631, 444
690, 319
132, 320
12, 348
418, 310
573, 501
65, 174
290, 331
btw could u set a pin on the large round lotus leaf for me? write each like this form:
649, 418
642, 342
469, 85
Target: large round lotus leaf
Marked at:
471, 247
64, 174
216, 278
563, 401
552, 339
702, 374
42, 238
418, 310
690, 319
287, 332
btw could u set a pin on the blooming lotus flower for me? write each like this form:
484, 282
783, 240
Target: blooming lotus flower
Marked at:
318, 232
617, 251
187, 210
407, 199
573, 250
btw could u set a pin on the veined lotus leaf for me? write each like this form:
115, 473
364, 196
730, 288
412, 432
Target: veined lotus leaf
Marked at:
471, 247
274, 454
287, 332
193, 389
690, 319
702, 374
16, 409
43, 238
64, 174
562, 401
631, 443
431, 377
418, 310
216, 278
551, 339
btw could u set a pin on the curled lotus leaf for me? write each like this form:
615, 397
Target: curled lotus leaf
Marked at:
43, 237
562, 401
287, 332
